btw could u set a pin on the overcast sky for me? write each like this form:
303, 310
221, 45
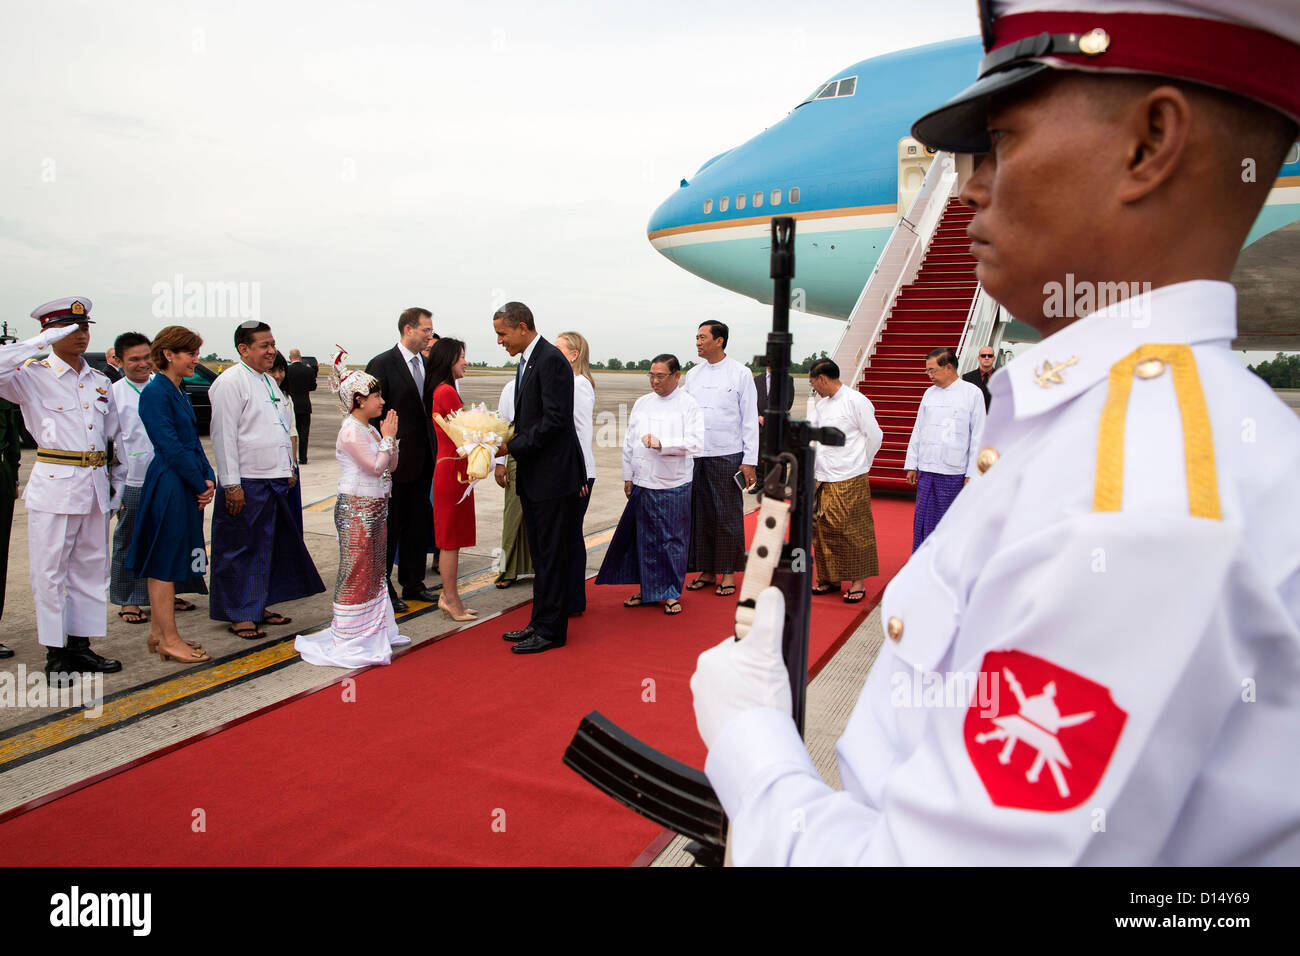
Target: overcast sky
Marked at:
352, 159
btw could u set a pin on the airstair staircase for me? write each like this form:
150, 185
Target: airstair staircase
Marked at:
922, 295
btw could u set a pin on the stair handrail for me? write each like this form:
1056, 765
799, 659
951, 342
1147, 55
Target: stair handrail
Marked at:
981, 319
898, 264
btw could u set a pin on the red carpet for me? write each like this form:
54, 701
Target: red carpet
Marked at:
450, 756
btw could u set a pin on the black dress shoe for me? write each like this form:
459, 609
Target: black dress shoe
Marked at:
420, 594
523, 634
535, 645
398, 604
5, 652
58, 673
80, 657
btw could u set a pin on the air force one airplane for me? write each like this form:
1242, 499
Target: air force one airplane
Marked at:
843, 164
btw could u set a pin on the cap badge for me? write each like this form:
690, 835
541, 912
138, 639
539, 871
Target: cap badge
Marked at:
1094, 42
77, 309
1050, 373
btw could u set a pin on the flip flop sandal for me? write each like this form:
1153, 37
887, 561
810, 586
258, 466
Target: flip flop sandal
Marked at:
182, 605
853, 597
633, 601
247, 633
133, 617
699, 583
505, 583
725, 590
825, 588
275, 620
672, 607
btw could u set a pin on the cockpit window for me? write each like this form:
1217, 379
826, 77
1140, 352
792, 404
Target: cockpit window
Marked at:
834, 89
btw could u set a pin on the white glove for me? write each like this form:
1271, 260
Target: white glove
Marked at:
737, 676
51, 335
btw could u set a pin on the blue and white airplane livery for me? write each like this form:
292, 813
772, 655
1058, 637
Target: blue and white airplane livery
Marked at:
835, 164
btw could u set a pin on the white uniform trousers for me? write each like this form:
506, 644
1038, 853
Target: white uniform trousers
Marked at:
68, 558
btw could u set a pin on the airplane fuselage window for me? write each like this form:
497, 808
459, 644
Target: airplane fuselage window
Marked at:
740, 201
708, 206
776, 197
794, 193
847, 86
722, 204
835, 88
758, 199
827, 92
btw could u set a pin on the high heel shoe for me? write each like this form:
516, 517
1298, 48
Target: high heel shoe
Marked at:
154, 642
446, 611
164, 654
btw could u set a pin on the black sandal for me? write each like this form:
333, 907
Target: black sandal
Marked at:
504, 583
725, 590
672, 607
247, 633
633, 601
825, 588
699, 583
180, 605
853, 597
279, 619
133, 617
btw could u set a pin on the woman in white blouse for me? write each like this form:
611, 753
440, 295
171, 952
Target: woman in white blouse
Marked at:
363, 630
576, 350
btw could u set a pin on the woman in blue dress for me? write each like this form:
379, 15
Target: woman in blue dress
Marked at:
167, 544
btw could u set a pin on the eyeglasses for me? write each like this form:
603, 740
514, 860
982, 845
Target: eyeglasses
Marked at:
986, 355
660, 376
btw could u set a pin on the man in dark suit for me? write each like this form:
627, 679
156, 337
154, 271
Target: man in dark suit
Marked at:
407, 389
979, 377
550, 472
299, 382
761, 381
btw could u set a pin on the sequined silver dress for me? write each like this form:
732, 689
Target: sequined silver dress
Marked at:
363, 630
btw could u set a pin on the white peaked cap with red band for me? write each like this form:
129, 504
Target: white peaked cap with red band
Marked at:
1247, 47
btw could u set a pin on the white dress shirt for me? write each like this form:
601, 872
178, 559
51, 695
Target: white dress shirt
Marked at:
728, 400
251, 424
506, 409
134, 450
584, 411
1188, 624
946, 437
852, 413
678, 424
411, 365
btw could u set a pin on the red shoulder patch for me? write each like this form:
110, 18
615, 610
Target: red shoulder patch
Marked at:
1048, 737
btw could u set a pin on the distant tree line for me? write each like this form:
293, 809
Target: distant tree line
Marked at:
643, 365
1282, 372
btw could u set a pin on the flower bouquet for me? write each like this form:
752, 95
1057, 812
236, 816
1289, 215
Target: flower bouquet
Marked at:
477, 432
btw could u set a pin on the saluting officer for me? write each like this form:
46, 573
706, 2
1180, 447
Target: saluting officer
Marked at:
68, 407
1114, 602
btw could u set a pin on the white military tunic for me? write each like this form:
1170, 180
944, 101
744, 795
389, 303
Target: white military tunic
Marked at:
67, 528
946, 436
1128, 569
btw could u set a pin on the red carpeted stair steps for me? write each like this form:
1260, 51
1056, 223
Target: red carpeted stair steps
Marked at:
929, 313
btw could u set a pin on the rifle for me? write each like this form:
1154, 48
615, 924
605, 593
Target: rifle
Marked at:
651, 783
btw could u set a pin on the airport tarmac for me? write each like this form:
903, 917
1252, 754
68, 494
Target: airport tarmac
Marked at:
151, 704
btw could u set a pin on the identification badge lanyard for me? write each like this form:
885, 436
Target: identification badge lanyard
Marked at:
274, 399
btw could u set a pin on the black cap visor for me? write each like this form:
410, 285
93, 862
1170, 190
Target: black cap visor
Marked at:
961, 124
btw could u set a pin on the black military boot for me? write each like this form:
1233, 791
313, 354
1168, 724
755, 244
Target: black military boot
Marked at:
58, 672
81, 658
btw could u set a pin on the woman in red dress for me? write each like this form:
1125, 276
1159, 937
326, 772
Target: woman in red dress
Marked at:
453, 518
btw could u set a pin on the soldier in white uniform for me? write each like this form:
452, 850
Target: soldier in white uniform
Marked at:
1095, 659
68, 408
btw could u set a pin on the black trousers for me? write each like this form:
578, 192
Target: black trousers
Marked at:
577, 582
409, 520
303, 421
6, 526
551, 540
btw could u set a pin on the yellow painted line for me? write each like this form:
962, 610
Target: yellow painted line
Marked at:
136, 703
325, 505
131, 704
